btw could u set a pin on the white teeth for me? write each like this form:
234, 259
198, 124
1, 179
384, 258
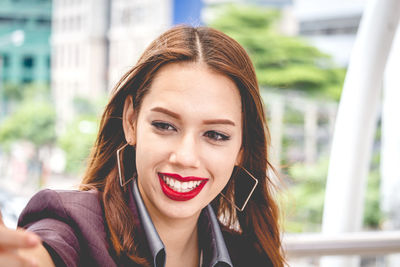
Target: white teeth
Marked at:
184, 186
177, 184
180, 186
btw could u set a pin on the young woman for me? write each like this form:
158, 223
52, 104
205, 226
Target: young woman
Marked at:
178, 175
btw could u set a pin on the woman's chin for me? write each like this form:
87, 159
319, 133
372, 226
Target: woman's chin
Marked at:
180, 209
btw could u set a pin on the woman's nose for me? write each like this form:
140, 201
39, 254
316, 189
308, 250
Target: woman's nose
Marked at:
186, 152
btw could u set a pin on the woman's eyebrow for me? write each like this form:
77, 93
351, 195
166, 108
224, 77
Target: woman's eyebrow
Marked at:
219, 121
177, 116
166, 111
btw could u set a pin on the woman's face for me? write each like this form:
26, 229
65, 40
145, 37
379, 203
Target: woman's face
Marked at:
188, 137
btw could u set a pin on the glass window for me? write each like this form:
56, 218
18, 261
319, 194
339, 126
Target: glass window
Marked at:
28, 62
125, 17
6, 60
78, 22
26, 80
4, 19
48, 61
43, 21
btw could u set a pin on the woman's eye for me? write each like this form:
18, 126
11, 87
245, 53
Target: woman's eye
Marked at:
216, 136
163, 126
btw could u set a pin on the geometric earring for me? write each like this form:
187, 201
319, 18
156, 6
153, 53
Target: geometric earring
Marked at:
247, 183
121, 182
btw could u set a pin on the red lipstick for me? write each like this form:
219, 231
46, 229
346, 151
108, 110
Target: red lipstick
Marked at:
181, 196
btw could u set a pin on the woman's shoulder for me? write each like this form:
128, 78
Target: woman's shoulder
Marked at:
243, 250
71, 225
63, 205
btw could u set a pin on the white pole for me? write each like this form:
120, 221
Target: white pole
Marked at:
390, 149
310, 132
356, 122
2, 101
277, 106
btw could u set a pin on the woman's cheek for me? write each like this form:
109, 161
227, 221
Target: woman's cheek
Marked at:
221, 163
224, 155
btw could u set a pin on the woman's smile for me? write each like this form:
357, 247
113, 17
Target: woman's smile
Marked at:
181, 188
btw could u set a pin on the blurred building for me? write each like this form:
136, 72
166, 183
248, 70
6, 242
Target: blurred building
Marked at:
24, 41
94, 42
330, 25
133, 25
287, 24
268, 3
79, 52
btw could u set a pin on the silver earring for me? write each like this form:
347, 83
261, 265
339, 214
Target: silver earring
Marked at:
240, 172
121, 182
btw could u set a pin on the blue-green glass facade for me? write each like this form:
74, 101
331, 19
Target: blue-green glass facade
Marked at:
28, 61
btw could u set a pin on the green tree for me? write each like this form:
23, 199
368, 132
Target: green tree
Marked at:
12, 92
281, 62
80, 135
306, 194
305, 201
77, 140
33, 121
32, 118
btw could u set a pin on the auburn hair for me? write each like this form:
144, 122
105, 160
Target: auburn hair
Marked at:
259, 220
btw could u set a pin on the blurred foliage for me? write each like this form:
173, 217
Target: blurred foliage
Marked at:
304, 204
282, 62
77, 141
373, 215
32, 117
12, 92
80, 133
16, 93
33, 121
293, 116
84, 106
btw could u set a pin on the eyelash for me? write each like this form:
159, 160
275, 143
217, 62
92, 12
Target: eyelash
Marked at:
163, 126
213, 135
216, 136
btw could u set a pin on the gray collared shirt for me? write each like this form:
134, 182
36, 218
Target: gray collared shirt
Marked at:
212, 243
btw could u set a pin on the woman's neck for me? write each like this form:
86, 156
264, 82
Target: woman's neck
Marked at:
180, 238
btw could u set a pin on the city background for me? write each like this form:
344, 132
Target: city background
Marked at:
60, 59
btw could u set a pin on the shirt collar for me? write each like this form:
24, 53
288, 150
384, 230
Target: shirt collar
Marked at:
210, 235
156, 246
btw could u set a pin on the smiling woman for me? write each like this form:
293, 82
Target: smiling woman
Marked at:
162, 187
173, 134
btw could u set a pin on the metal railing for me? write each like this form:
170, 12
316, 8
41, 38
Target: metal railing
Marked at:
357, 243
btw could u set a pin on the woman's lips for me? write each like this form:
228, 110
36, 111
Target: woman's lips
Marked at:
181, 188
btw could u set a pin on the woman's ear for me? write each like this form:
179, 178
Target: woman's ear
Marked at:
129, 121
239, 158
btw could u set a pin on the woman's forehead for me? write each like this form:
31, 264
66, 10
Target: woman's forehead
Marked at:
194, 87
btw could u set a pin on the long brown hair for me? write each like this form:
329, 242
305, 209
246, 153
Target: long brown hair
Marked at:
259, 220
